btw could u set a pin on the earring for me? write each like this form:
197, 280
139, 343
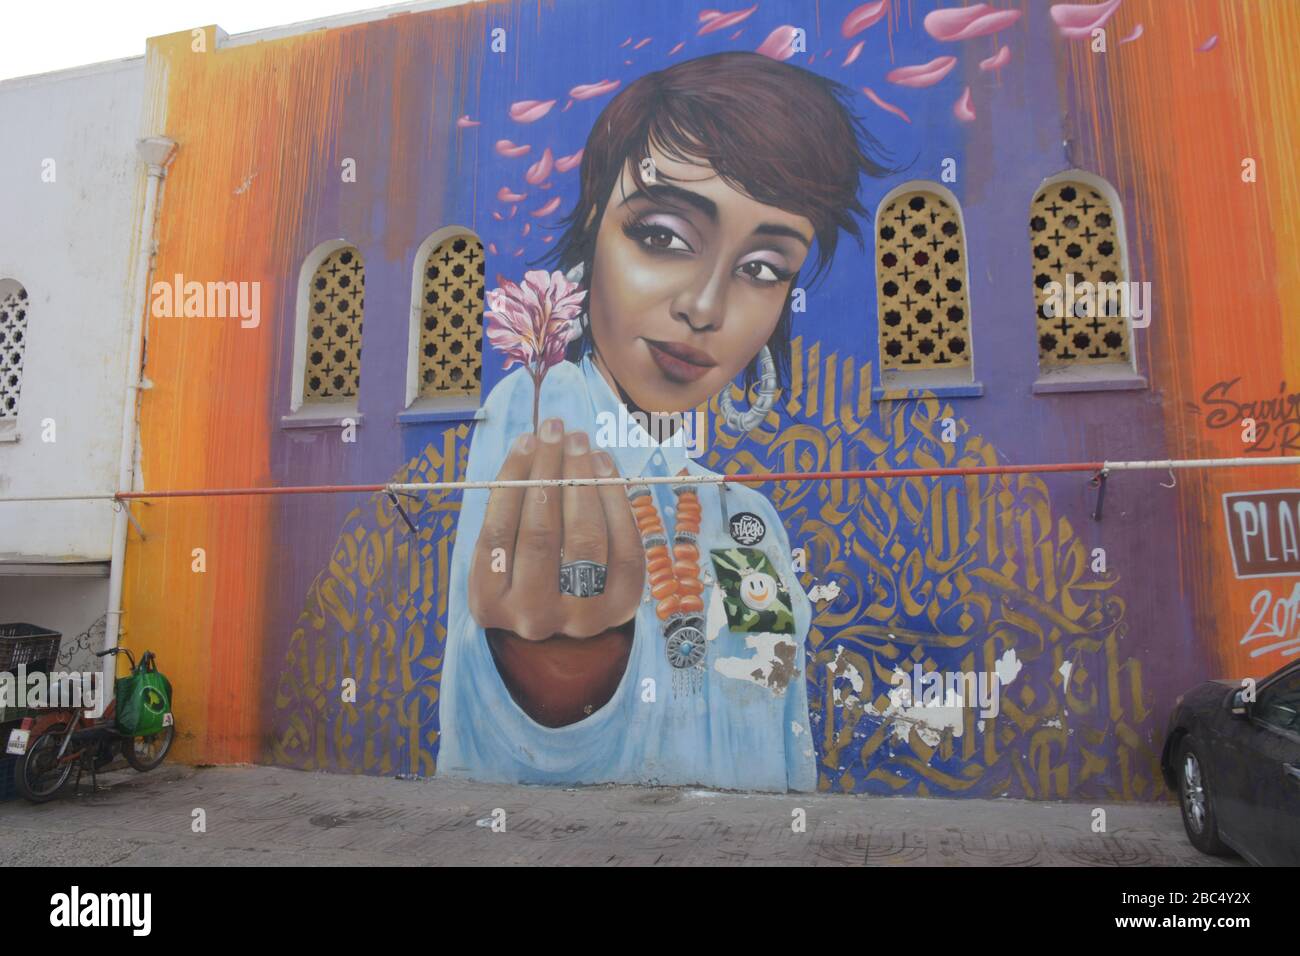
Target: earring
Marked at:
747, 421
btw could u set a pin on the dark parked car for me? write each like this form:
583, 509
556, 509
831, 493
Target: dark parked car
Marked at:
1235, 765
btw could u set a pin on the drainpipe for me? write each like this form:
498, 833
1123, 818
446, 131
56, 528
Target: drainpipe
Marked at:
157, 153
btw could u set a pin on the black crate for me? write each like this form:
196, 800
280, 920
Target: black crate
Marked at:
37, 648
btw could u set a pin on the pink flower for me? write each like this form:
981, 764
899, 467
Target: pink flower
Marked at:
533, 323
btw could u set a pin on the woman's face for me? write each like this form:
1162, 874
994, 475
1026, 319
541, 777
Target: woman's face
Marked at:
689, 281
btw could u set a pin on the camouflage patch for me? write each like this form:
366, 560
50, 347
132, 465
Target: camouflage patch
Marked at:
753, 594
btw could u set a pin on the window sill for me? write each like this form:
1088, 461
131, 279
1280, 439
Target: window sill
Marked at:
424, 411
322, 416
9, 435
1089, 378
902, 386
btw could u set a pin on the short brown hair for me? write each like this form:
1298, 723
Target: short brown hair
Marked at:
782, 135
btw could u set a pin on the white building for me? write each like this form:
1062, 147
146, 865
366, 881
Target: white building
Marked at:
72, 187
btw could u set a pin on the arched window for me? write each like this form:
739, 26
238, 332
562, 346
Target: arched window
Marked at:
13, 346
921, 282
336, 300
447, 338
1080, 277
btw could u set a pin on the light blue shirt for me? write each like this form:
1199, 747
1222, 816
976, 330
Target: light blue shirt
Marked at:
725, 725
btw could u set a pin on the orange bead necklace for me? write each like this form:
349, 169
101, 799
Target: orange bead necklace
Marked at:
674, 575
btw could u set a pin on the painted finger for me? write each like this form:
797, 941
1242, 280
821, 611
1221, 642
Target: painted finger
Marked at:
584, 519
535, 584
494, 552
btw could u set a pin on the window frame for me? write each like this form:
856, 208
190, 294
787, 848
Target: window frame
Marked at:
956, 382
1088, 376
424, 408
302, 412
9, 425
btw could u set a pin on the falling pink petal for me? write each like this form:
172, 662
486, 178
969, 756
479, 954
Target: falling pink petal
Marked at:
707, 15
567, 104
1209, 44
964, 109
528, 227
625, 43
723, 20
548, 239
498, 217
779, 43
962, 23
1137, 32
736, 35
998, 60
546, 210
588, 90
544, 186
811, 57
492, 248
507, 148
517, 253
566, 163
465, 122
505, 194
887, 107
642, 43
826, 55
538, 172
627, 62
869, 14
1076, 21
923, 74
513, 210
677, 48
530, 111
854, 53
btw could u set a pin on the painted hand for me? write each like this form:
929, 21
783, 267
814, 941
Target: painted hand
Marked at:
514, 580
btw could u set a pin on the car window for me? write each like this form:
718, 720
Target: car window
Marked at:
1279, 703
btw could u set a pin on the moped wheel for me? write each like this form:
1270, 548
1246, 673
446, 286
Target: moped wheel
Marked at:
39, 775
146, 753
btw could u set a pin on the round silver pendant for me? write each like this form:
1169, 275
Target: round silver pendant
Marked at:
686, 647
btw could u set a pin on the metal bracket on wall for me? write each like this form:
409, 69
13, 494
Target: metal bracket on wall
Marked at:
125, 506
397, 505
1099, 479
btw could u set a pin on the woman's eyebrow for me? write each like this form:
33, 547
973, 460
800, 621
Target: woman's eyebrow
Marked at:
773, 229
675, 195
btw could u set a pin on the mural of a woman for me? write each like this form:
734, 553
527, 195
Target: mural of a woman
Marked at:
670, 648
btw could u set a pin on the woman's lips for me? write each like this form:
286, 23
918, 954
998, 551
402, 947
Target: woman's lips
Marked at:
680, 363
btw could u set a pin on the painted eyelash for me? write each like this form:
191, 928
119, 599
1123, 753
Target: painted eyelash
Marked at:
639, 229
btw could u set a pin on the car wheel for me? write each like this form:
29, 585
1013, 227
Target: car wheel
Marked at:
1196, 801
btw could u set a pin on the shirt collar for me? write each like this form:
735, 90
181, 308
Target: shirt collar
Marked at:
631, 459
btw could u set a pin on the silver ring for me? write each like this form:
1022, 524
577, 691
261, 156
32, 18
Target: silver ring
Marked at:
583, 579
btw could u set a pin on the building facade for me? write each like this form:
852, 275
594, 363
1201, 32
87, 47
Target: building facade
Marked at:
346, 195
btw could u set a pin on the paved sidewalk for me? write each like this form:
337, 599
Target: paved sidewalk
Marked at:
268, 816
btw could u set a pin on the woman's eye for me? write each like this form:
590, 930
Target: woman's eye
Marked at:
761, 271
657, 237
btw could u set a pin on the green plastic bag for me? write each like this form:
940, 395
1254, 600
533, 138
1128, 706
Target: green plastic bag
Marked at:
144, 699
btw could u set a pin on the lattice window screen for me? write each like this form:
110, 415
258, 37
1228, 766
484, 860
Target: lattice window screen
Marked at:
334, 324
13, 345
1073, 232
451, 318
921, 282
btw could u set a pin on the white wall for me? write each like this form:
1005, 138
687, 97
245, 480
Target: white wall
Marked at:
70, 244
73, 606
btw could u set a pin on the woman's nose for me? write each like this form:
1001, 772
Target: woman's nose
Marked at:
702, 302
